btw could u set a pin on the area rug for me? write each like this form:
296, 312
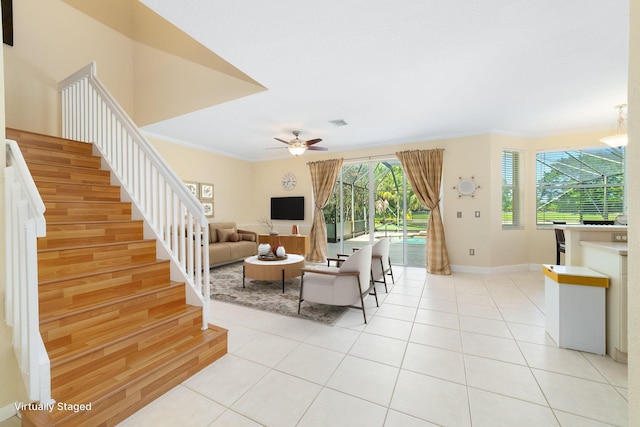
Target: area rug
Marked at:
226, 286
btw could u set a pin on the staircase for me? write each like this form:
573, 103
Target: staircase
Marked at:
117, 330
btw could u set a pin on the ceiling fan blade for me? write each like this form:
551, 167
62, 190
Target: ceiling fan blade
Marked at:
313, 141
282, 140
317, 148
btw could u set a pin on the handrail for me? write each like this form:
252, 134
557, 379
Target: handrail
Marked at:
24, 223
91, 114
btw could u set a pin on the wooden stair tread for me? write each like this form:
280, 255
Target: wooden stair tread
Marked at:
105, 300
121, 329
73, 184
141, 367
79, 167
94, 222
134, 347
66, 262
139, 387
33, 139
57, 191
56, 157
82, 211
88, 202
90, 274
60, 174
73, 234
95, 245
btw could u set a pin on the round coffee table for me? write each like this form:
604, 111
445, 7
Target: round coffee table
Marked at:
257, 269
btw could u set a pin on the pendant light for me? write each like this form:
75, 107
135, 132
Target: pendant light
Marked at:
620, 138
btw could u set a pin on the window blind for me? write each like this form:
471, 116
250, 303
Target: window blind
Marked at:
577, 185
511, 188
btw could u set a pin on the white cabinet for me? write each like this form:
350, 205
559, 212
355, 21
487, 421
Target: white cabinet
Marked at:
575, 307
611, 259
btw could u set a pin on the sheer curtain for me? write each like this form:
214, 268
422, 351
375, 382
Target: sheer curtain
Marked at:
323, 179
424, 170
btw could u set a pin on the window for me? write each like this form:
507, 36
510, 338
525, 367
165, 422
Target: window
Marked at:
577, 185
511, 188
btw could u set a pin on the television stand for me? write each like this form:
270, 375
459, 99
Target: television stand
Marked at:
293, 244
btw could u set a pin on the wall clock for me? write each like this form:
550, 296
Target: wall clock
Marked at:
288, 181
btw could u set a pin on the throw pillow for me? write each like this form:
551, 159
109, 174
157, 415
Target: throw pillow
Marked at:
223, 234
233, 237
248, 237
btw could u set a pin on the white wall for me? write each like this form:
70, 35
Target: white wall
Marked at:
634, 213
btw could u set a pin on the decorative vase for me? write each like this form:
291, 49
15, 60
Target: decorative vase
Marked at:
294, 230
280, 252
264, 249
273, 232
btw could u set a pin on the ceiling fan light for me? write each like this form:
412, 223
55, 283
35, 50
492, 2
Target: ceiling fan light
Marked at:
297, 149
619, 140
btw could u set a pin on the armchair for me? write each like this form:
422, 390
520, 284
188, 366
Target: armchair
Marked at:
344, 286
381, 263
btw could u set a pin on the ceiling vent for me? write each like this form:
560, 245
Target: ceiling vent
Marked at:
338, 122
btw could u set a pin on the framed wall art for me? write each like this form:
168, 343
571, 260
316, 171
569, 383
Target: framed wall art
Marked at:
208, 209
193, 187
206, 191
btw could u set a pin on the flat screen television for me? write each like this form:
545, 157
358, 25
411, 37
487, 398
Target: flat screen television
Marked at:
287, 208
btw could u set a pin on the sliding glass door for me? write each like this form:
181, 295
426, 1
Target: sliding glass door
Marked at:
373, 200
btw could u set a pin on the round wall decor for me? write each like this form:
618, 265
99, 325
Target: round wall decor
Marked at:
466, 187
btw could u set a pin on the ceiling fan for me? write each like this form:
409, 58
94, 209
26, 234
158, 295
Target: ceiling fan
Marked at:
297, 147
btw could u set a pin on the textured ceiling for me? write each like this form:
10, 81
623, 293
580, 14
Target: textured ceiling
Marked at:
404, 71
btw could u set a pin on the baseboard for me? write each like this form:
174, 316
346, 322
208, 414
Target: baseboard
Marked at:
470, 269
495, 270
8, 411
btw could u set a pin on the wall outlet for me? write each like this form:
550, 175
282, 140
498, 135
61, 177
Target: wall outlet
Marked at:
472, 252
477, 214
459, 214
618, 237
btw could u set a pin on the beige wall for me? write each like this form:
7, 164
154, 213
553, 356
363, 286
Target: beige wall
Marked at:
243, 191
634, 213
12, 388
52, 41
233, 179
48, 48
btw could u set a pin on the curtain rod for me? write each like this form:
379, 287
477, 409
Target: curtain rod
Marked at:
377, 156
350, 159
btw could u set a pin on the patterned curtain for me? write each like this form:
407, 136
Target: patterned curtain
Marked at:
424, 170
323, 179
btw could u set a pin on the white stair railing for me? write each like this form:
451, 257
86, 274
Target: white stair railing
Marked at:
91, 114
24, 223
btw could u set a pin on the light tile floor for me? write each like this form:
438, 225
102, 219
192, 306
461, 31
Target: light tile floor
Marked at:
455, 350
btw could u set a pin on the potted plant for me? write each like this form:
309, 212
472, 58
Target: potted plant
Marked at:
265, 222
